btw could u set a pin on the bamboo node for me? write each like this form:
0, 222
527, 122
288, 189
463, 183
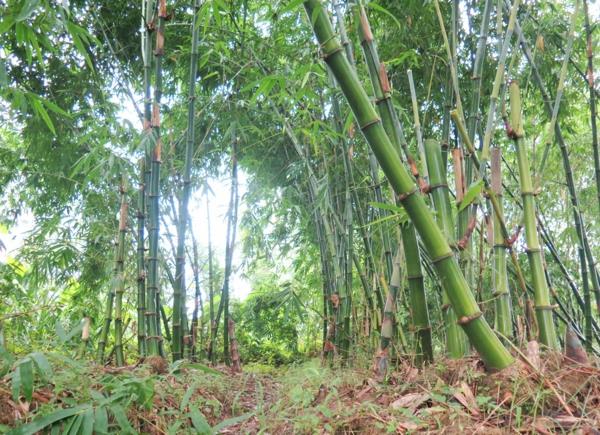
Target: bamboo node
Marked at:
386, 96
533, 250
414, 277
545, 307
442, 257
370, 123
464, 320
405, 195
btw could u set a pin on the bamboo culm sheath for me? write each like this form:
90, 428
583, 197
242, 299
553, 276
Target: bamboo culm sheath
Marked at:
470, 317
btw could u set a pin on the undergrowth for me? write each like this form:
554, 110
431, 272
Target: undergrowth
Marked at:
56, 394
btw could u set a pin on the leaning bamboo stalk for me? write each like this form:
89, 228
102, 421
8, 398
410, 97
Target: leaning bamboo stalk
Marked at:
183, 215
456, 343
543, 308
470, 317
393, 128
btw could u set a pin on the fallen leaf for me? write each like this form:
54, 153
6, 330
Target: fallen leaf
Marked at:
410, 401
466, 399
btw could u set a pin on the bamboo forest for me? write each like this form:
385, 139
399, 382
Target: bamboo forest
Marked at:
299, 217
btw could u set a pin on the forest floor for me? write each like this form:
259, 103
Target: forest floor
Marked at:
544, 395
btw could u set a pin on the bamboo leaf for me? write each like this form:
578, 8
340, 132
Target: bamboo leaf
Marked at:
384, 11
41, 423
39, 108
119, 413
199, 422
16, 383
87, 427
26, 374
231, 422
474, 191
187, 396
42, 364
73, 425
27, 9
101, 421
290, 6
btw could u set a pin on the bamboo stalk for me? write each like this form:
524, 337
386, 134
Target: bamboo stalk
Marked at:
153, 292
559, 90
498, 80
592, 90
543, 308
115, 295
481, 335
120, 276
141, 262
179, 289
230, 244
456, 343
501, 292
150, 318
418, 133
577, 217
393, 128
420, 323
387, 325
473, 120
211, 292
198, 313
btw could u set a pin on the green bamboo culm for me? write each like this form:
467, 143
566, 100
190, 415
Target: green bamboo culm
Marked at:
456, 341
543, 309
179, 289
501, 293
141, 262
149, 317
115, 295
421, 326
120, 275
153, 338
387, 325
393, 128
481, 335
